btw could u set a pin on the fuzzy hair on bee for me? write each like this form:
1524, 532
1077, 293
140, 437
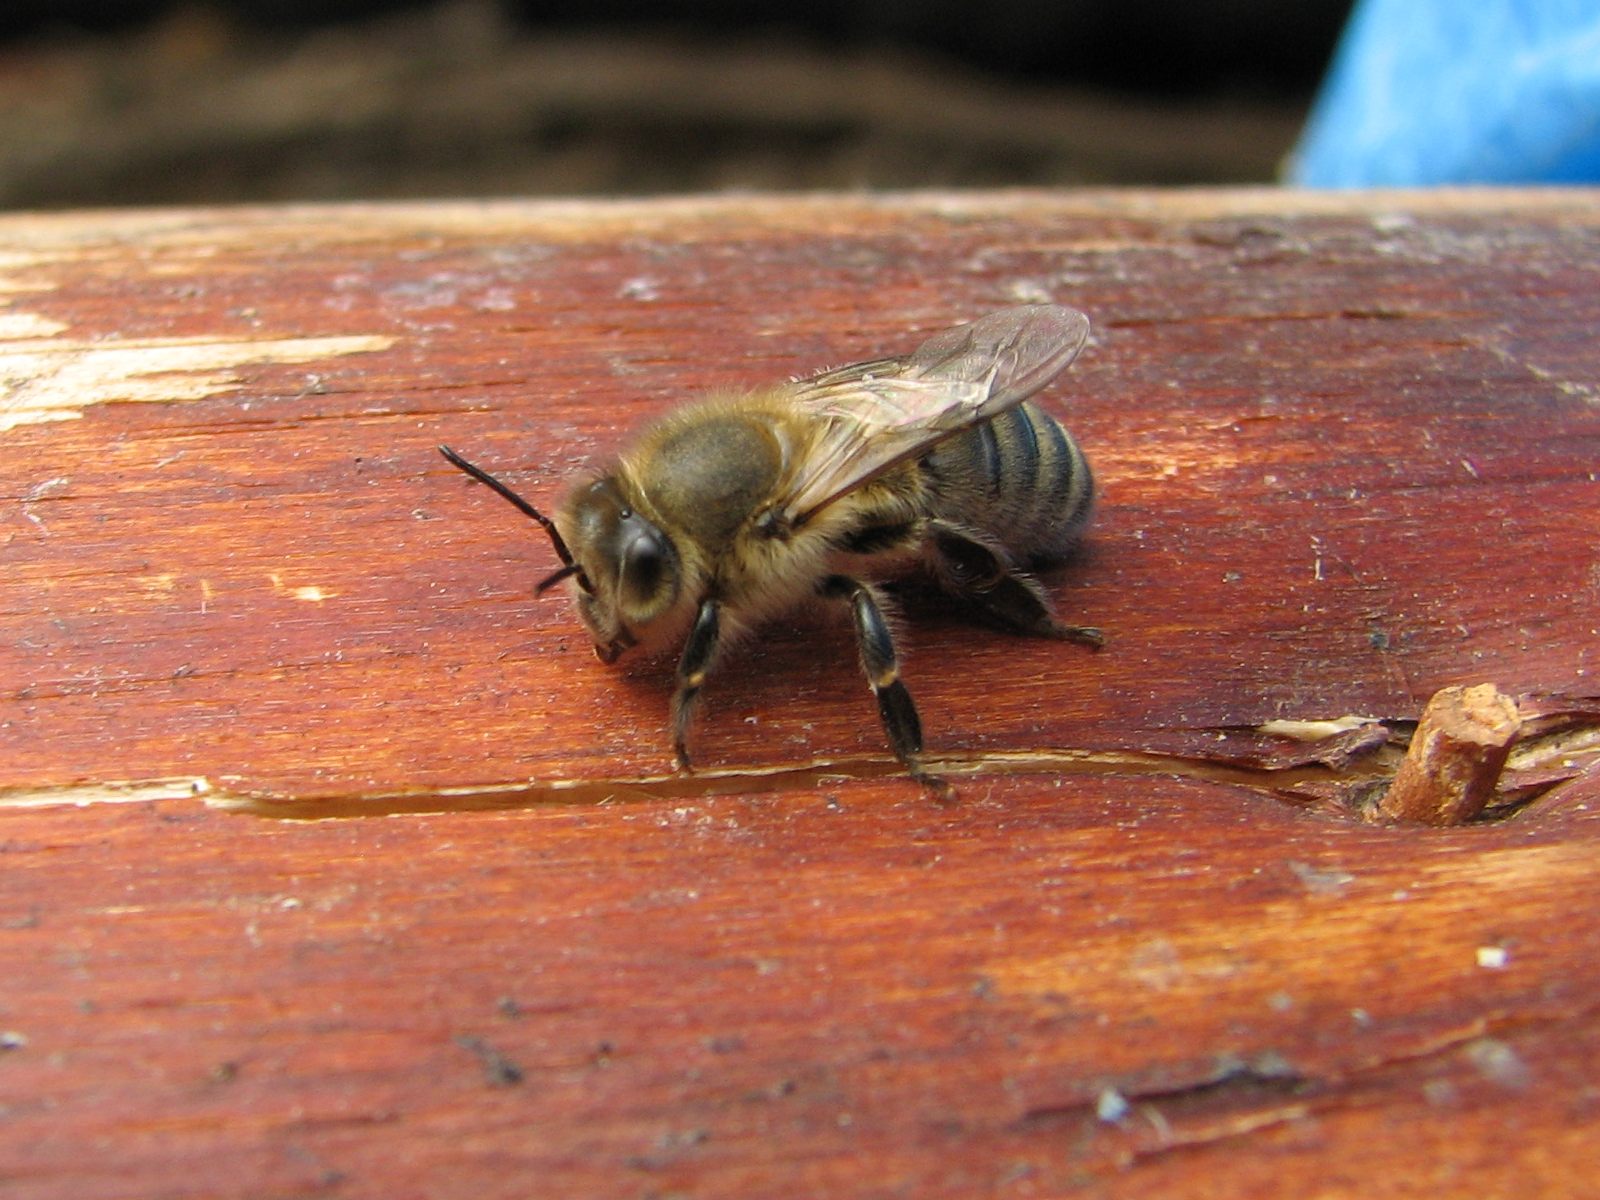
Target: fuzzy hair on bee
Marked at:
735, 509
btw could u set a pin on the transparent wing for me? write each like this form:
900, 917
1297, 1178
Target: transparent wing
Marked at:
878, 414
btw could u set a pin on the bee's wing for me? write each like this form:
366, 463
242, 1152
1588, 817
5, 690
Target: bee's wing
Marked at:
878, 414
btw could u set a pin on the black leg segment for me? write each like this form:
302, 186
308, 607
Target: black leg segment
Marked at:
699, 652
882, 667
878, 660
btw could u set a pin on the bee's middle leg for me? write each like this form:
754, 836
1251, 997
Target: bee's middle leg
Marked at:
882, 667
979, 575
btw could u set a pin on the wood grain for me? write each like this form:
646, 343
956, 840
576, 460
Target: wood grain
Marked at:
1347, 448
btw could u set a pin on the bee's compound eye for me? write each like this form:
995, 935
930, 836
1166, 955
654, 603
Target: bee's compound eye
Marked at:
649, 575
642, 564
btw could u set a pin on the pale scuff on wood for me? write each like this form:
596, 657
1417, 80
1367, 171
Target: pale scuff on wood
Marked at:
48, 379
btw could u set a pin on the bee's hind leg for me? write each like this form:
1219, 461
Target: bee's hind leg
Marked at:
882, 668
1019, 603
978, 574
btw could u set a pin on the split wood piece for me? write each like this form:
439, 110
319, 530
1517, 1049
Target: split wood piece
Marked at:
1455, 757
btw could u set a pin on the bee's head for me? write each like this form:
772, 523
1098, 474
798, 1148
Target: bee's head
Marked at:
625, 572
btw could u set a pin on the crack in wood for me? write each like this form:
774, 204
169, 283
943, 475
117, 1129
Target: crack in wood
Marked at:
1339, 772
1351, 782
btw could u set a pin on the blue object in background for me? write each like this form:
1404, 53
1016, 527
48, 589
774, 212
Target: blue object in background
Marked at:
1440, 91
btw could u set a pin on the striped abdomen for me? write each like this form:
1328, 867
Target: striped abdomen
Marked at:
1019, 478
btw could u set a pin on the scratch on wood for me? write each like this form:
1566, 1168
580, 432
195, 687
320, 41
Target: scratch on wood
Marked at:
1240, 1097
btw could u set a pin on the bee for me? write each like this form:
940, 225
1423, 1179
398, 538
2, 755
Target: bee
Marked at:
738, 508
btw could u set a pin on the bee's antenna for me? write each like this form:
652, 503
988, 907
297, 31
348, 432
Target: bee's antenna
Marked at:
568, 565
555, 577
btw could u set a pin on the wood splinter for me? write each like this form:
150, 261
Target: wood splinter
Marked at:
1455, 757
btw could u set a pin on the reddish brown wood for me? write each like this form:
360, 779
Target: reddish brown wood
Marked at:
846, 990
1347, 449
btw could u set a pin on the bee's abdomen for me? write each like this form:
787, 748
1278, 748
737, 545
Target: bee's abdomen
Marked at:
1020, 478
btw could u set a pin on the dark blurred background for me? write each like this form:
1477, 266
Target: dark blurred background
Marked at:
153, 102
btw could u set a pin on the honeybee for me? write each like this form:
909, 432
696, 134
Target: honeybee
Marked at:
738, 508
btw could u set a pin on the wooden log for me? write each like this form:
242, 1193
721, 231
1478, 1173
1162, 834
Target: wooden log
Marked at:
1347, 453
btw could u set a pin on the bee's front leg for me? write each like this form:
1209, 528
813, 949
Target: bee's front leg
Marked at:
699, 652
882, 667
